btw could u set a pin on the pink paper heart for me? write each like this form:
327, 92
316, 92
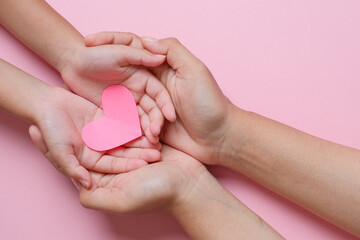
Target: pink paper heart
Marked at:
119, 125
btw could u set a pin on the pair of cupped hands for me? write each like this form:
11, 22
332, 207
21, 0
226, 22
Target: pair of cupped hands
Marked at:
183, 114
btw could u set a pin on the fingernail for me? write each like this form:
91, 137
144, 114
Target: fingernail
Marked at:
150, 39
160, 56
139, 164
84, 183
76, 183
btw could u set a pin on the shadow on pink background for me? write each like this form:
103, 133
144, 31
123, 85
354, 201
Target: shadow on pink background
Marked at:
296, 62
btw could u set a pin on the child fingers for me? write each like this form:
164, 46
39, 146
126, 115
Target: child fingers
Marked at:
145, 126
65, 163
148, 155
113, 164
155, 115
157, 91
122, 38
125, 55
142, 142
70, 166
81, 175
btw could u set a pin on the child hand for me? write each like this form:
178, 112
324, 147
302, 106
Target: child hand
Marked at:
203, 111
57, 133
89, 70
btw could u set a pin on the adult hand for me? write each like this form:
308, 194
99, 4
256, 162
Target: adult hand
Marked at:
181, 186
158, 186
57, 133
203, 112
87, 71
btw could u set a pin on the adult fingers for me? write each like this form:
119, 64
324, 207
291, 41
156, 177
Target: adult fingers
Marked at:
103, 198
178, 56
107, 195
98, 197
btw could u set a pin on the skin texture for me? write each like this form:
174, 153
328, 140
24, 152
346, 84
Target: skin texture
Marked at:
316, 174
58, 118
88, 71
181, 186
91, 70
203, 112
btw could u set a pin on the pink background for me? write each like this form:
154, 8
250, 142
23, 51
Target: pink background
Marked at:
294, 61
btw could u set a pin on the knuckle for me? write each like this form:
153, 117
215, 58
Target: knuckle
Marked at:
130, 34
173, 40
113, 166
201, 66
134, 40
103, 33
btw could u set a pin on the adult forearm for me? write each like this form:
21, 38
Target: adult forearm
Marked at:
41, 28
211, 212
316, 174
20, 93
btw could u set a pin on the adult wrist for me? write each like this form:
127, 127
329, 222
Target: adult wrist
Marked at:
212, 212
235, 137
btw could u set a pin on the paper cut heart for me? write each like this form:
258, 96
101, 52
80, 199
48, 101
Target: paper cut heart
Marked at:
119, 125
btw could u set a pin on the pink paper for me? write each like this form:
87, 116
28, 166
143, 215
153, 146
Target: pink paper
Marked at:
119, 125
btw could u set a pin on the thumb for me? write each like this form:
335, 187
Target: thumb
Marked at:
125, 55
178, 57
120, 38
69, 164
37, 138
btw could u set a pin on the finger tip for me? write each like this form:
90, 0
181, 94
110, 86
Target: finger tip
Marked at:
158, 146
156, 156
169, 112
149, 39
84, 177
156, 140
161, 58
150, 43
85, 183
88, 40
76, 184
154, 60
171, 117
155, 130
138, 164
152, 138
152, 155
